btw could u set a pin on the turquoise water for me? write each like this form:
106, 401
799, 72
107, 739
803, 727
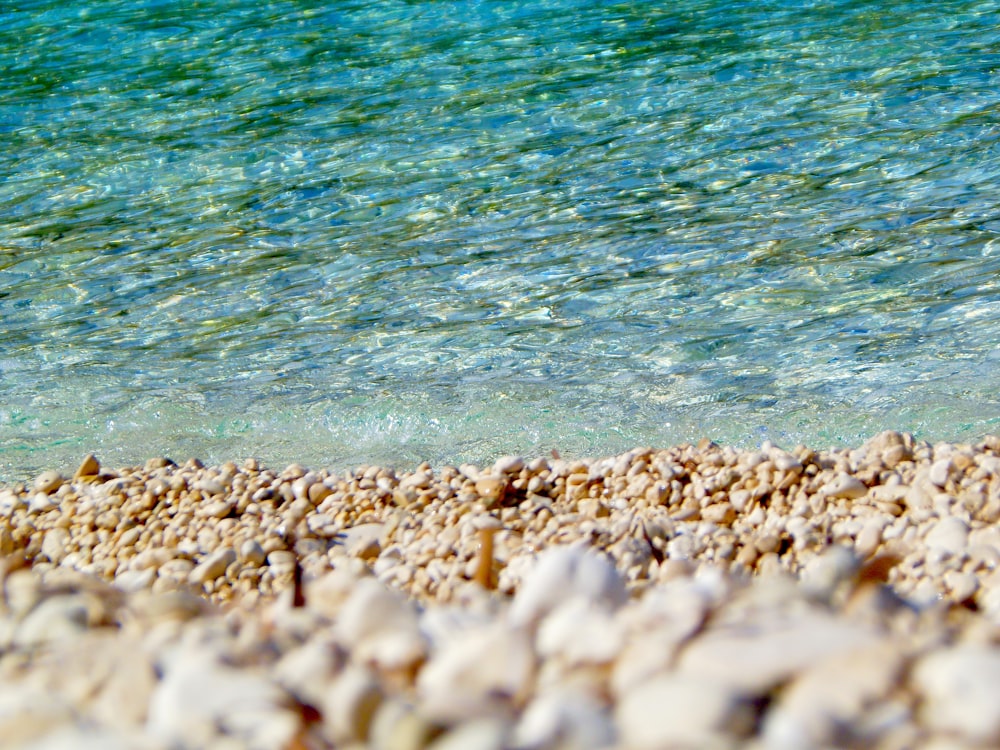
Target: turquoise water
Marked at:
349, 232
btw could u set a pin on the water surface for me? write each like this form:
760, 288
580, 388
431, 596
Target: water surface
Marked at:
354, 232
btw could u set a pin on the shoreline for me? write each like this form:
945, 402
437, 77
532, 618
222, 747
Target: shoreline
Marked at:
684, 596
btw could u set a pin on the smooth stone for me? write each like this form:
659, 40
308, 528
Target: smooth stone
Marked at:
349, 706
822, 574
949, 535
474, 734
54, 544
251, 553
397, 726
845, 486
364, 540
89, 467
483, 671
757, 654
940, 471
565, 717
308, 670
960, 686
48, 481
830, 695
671, 711
562, 573
372, 608
41, 502
135, 580
9, 502
210, 486
213, 566
198, 696
508, 465
217, 508
578, 633
491, 489
53, 619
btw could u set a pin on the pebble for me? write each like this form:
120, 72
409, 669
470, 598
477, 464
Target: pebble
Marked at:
213, 566
671, 711
959, 686
694, 596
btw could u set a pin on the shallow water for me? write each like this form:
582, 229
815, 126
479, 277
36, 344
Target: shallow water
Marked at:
355, 232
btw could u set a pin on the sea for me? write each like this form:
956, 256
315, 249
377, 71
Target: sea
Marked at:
350, 232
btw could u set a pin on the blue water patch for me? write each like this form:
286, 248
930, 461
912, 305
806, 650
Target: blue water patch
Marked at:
347, 232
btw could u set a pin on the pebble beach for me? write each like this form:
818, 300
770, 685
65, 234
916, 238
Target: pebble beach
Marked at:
693, 597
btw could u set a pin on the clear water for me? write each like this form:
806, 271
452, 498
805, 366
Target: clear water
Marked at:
342, 232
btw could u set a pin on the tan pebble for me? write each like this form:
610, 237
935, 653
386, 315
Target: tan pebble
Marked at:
350, 704
88, 467
48, 481
478, 671
217, 508
252, 553
566, 717
963, 586
772, 646
487, 733
130, 537
41, 502
832, 694
364, 540
940, 471
672, 711
869, 538
54, 544
491, 490
213, 566
197, 693
720, 513
318, 492
949, 535
508, 465
845, 486
397, 726
56, 618
959, 686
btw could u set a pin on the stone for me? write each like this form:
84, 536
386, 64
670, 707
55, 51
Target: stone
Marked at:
364, 540
55, 618
940, 472
562, 573
959, 686
48, 481
491, 490
508, 465
757, 654
831, 694
54, 545
475, 734
213, 566
482, 671
950, 535
89, 467
845, 486
580, 633
565, 717
251, 553
350, 705
670, 711
371, 609
41, 502
198, 696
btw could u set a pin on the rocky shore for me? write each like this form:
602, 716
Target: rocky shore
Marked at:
693, 597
